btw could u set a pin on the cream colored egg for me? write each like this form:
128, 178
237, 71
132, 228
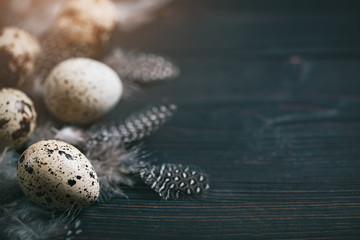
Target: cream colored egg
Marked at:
19, 51
56, 175
17, 118
81, 29
86, 21
81, 90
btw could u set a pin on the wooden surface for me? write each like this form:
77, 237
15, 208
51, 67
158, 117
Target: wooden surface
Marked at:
269, 107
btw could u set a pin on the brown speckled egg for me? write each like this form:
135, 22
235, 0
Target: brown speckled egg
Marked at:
17, 118
56, 175
19, 51
80, 30
81, 90
87, 21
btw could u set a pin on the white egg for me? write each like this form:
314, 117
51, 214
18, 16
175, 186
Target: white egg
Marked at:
56, 175
19, 51
17, 118
81, 90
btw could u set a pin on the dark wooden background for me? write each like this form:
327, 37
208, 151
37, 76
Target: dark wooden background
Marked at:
268, 105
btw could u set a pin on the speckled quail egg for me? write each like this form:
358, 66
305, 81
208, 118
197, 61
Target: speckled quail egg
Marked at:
81, 90
87, 21
80, 30
19, 51
56, 175
17, 118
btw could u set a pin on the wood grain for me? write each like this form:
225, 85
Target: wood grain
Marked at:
269, 99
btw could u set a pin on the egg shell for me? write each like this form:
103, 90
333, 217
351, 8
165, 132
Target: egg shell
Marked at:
56, 175
19, 51
87, 21
81, 90
81, 29
17, 118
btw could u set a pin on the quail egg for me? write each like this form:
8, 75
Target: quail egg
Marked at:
81, 90
19, 51
86, 22
17, 118
81, 30
56, 175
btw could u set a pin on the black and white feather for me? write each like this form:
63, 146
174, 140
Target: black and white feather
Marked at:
138, 70
140, 67
133, 129
175, 181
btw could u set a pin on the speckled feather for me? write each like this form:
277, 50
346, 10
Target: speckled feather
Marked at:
173, 181
133, 129
139, 70
140, 67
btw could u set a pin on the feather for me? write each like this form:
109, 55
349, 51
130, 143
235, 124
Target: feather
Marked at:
9, 187
72, 135
173, 181
44, 130
133, 129
115, 167
140, 69
23, 220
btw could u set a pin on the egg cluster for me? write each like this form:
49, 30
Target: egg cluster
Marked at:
74, 88
54, 86
59, 71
